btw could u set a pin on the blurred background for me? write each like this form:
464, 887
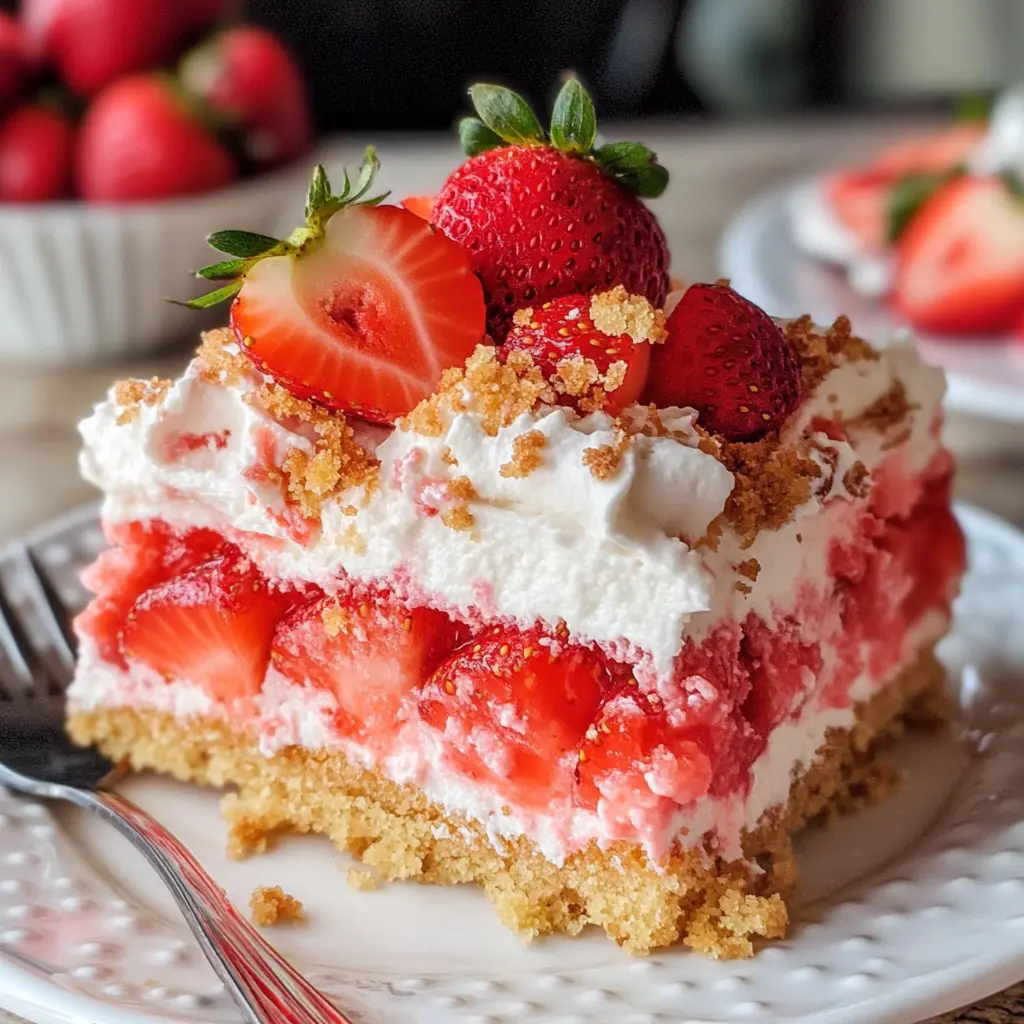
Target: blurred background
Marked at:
131, 128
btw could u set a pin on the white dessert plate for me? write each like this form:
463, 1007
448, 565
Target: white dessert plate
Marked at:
906, 910
757, 252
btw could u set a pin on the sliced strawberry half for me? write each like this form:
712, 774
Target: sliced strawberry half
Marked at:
513, 707
212, 625
141, 555
370, 651
960, 266
361, 310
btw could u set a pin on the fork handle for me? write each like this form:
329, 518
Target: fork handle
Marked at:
266, 988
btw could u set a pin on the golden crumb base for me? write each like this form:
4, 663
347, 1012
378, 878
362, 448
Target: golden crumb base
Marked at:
270, 904
716, 907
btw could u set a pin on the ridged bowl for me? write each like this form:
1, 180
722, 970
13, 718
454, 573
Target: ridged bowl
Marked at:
85, 283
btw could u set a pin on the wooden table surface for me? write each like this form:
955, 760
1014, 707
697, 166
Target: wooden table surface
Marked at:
714, 171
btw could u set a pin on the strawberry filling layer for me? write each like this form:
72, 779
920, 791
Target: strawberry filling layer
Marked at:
527, 719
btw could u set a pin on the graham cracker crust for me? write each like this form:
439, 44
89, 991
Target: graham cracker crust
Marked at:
713, 906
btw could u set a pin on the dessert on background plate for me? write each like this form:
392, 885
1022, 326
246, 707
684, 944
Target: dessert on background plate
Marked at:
934, 226
472, 547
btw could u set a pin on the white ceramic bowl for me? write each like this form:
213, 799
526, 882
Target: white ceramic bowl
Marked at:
83, 283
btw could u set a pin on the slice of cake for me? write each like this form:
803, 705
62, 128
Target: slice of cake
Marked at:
596, 617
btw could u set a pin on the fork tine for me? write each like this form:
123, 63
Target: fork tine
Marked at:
16, 680
35, 627
60, 620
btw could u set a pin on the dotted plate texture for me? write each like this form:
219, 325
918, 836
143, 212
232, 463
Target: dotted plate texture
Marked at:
906, 910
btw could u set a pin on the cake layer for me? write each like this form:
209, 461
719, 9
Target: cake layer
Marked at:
716, 905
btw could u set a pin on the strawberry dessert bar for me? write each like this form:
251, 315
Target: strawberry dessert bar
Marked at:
935, 225
477, 547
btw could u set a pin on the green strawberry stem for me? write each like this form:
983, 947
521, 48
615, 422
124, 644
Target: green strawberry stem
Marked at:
506, 119
247, 248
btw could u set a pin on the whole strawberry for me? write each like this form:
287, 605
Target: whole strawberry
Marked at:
141, 140
590, 368
92, 42
249, 77
36, 145
545, 217
725, 357
14, 62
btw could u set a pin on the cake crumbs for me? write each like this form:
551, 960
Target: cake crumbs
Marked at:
857, 480
892, 408
616, 312
448, 456
337, 461
363, 879
132, 393
526, 457
771, 481
499, 391
743, 588
750, 568
523, 317
604, 460
218, 363
821, 352
271, 905
458, 517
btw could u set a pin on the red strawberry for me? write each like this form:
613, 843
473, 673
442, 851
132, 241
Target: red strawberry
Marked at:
14, 62
212, 625
781, 665
859, 199
725, 357
513, 706
36, 146
562, 329
201, 13
93, 42
633, 757
250, 77
930, 154
141, 556
422, 206
544, 220
370, 651
361, 310
140, 141
960, 263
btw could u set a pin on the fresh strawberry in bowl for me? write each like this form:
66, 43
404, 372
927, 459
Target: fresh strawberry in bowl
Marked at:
112, 172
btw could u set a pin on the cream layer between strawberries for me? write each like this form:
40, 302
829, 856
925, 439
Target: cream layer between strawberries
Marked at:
619, 560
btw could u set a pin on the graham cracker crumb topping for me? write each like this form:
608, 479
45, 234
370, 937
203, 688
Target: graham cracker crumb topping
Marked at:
130, 394
272, 905
616, 312
526, 457
216, 363
857, 480
750, 568
522, 317
337, 462
335, 619
772, 480
892, 408
604, 461
820, 353
499, 392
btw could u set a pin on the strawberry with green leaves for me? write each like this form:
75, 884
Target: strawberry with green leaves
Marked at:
546, 214
361, 309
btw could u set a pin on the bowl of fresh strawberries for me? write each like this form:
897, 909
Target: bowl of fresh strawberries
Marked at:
126, 128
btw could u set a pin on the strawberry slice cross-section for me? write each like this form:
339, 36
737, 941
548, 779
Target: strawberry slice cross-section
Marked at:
360, 310
211, 625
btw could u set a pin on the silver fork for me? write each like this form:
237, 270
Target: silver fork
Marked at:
37, 759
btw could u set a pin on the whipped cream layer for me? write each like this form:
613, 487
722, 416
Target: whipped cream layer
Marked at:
613, 557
